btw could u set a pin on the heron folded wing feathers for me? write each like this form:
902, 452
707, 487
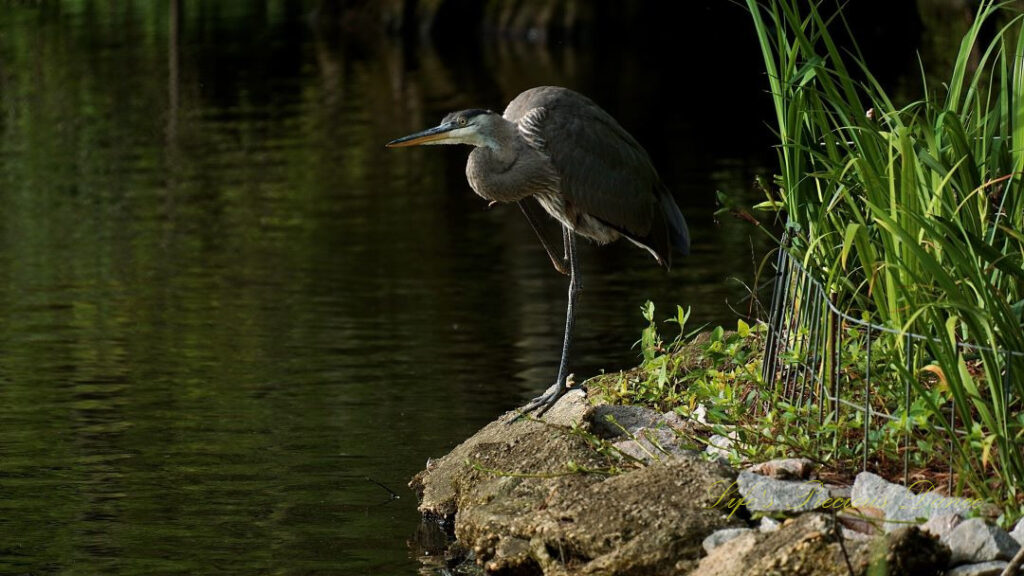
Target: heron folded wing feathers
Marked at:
604, 172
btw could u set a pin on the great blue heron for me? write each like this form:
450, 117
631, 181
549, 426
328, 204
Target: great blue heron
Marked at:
560, 149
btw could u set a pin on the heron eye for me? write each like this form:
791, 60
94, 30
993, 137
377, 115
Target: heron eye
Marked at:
462, 121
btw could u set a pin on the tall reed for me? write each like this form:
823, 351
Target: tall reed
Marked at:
912, 214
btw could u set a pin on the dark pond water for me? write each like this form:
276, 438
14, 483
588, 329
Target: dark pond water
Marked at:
229, 318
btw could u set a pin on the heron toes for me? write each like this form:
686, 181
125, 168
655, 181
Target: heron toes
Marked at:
542, 403
549, 398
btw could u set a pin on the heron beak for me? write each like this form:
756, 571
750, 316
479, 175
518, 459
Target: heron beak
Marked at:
436, 135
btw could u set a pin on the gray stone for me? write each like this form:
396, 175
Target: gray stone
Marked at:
769, 524
719, 537
650, 445
606, 419
868, 485
994, 568
700, 414
861, 520
806, 545
1018, 532
763, 494
900, 505
568, 409
836, 491
785, 468
854, 535
673, 420
975, 540
942, 524
719, 446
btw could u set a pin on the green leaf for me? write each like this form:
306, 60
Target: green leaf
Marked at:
648, 311
769, 206
851, 232
742, 328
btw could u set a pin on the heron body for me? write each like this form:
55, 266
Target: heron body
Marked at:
556, 147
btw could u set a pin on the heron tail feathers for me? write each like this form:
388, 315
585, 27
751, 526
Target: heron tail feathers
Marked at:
678, 232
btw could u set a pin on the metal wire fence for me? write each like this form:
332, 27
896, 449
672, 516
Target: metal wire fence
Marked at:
807, 339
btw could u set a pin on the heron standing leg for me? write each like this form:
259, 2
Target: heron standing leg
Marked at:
548, 399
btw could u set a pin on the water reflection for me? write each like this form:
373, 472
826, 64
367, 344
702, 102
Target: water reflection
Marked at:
224, 305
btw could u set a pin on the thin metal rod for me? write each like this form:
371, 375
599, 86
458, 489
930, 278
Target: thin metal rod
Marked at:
786, 266
906, 408
867, 401
800, 303
837, 373
814, 334
782, 337
821, 347
776, 307
805, 332
827, 365
952, 438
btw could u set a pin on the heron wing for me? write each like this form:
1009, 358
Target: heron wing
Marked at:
603, 170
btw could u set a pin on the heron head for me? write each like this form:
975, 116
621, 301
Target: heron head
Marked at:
473, 127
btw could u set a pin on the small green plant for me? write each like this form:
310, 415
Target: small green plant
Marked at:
716, 371
714, 377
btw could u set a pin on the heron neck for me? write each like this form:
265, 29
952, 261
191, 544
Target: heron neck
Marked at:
507, 172
502, 145
499, 151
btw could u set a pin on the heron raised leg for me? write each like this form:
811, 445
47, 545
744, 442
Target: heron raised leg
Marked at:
548, 399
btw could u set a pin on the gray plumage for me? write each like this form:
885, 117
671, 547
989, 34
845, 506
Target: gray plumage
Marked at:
558, 148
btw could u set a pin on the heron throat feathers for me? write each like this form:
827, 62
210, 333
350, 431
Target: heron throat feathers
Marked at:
506, 173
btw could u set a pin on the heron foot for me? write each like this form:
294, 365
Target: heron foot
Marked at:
548, 399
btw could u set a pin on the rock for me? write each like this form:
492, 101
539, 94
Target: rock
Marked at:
609, 420
642, 522
719, 537
769, 524
673, 420
900, 505
522, 502
568, 410
974, 541
840, 492
650, 445
1018, 532
435, 486
911, 551
727, 559
994, 568
803, 545
851, 534
764, 494
807, 545
942, 524
785, 468
643, 433
700, 414
719, 446
864, 520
